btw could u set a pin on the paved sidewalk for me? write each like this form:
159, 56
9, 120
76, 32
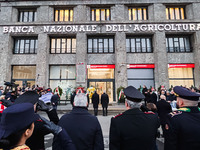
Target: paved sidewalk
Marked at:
113, 106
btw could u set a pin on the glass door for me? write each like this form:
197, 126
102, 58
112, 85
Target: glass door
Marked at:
101, 86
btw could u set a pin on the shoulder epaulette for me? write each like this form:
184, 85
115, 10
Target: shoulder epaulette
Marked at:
149, 112
184, 109
117, 115
175, 113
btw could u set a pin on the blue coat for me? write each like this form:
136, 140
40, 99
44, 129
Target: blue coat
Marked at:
83, 128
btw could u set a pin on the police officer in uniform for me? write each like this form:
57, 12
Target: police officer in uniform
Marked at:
183, 125
36, 141
133, 129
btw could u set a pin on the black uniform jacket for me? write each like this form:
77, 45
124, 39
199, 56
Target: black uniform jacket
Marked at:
83, 128
64, 142
184, 130
36, 141
95, 100
104, 100
133, 130
163, 109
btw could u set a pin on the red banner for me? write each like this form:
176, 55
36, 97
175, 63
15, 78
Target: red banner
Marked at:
101, 66
181, 65
141, 66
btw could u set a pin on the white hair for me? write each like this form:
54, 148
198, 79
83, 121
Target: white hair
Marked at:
132, 104
80, 100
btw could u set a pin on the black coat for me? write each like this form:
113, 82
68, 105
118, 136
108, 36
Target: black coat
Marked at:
64, 142
183, 132
170, 97
72, 98
83, 128
104, 100
133, 130
95, 100
152, 98
54, 99
36, 141
163, 109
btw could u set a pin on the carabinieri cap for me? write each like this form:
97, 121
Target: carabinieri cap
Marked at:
133, 94
185, 93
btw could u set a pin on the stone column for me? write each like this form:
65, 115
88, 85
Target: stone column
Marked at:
42, 63
6, 14
119, 13
161, 60
81, 13
196, 53
194, 7
6, 52
81, 55
158, 14
6, 45
120, 60
44, 14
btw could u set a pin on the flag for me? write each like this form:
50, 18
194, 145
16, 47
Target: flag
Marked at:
120, 94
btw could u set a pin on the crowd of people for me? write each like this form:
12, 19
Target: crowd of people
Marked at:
136, 128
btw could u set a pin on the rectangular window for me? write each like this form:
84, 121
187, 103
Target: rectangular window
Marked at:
27, 15
24, 75
101, 45
63, 14
178, 44
101, 73
140, 77
100, 14
25, 45
63, 45
64, 77
181, 76
138, 13
175, 13
139, 45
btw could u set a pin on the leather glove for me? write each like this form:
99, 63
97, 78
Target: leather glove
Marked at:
55, 129
6, 103
43, 107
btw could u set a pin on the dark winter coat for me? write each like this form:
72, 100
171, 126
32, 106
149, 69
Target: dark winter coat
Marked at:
95, 100
163, 109
133, 130
104, 100
83, 128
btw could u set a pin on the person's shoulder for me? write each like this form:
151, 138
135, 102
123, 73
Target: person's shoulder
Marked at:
65, 116
118, 116
149, 113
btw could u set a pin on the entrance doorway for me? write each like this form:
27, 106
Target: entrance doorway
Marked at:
103, 85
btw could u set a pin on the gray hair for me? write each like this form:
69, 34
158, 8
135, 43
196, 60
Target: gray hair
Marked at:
132, 104
189, 102
80, 100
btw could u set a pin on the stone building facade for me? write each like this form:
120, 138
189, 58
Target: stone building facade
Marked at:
101, 43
